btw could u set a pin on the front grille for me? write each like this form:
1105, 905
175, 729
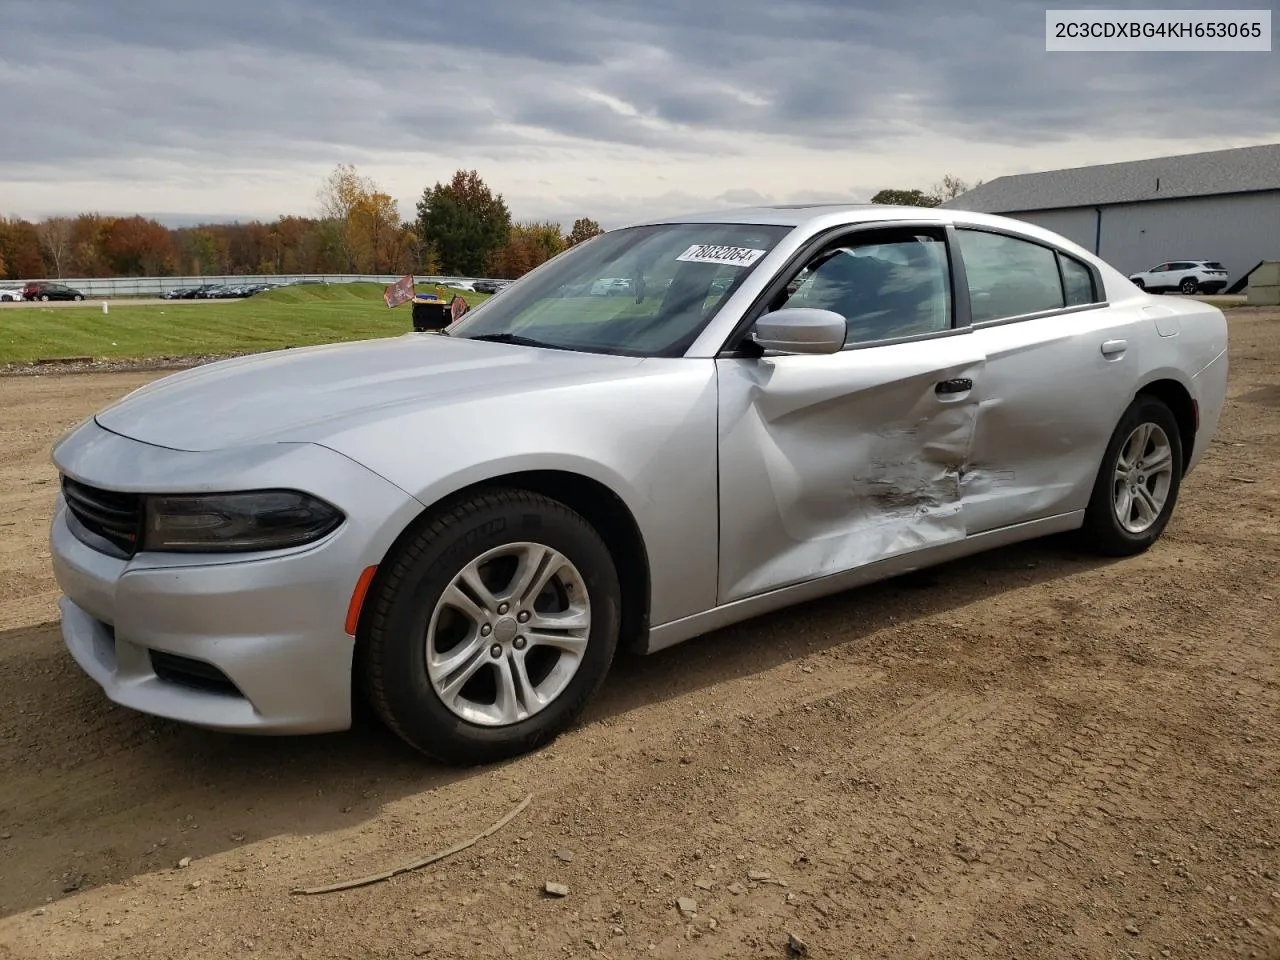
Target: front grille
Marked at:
115, 518
192, 673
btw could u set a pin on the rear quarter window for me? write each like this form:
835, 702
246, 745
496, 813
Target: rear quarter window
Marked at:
1009, 277
1077, 282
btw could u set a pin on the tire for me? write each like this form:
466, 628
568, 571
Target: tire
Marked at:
44, 297
1188, 286
1103, 532
404, 619
77, 297
1141, 285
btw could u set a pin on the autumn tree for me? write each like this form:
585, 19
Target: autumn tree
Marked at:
359, 221
463, 222
88, 237
55, 237
136, 246
294, 245
373, 232
342, 192
527, 246
20, 249
202, 252
584, 228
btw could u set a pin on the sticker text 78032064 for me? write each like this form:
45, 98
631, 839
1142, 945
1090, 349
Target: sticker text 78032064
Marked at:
716, 253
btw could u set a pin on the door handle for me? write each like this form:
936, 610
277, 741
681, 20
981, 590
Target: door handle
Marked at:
957, 385
1113, 348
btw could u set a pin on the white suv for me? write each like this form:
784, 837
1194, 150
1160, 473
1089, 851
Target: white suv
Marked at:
10, 291
1185, 276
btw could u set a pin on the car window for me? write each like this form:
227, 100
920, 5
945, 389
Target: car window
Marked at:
1009, 277
1077, 281
892, 285
638, 291
1214, 265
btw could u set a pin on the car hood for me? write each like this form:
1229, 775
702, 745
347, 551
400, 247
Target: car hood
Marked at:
304, 393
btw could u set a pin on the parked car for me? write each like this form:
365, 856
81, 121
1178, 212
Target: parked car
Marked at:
1185, 276
10, 292
45, 290
611, 286
882, 390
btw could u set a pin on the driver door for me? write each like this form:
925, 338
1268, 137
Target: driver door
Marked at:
829, 462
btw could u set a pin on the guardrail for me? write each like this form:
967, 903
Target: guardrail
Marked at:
158, 286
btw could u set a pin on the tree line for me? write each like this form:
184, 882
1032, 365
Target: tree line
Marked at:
462, 228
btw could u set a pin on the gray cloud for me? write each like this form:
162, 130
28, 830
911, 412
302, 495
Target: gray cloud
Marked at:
145, 88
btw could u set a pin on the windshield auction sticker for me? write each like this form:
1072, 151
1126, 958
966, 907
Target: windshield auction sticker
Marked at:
714, 253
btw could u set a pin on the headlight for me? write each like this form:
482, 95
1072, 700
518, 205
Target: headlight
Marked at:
227, 522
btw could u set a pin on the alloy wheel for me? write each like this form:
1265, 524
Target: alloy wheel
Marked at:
1143, 478
508, 634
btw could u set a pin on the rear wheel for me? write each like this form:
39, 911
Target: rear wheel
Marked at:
1189, 285
1138, 482
488, 630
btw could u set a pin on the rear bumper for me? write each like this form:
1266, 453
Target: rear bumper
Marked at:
1210, 392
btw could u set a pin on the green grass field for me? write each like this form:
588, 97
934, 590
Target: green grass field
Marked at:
288, 317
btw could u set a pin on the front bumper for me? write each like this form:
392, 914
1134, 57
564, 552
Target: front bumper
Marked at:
251, 643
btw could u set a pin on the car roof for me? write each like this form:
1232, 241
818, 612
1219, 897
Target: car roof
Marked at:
817, 217
821, 215
788, 214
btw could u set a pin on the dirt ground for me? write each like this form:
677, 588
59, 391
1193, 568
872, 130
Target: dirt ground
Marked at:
1027, 754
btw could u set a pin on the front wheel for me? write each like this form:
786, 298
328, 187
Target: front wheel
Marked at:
77, 297
1189, 285
487, 631
1140, 284
1138, 482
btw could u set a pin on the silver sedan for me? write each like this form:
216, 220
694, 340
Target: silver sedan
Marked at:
465, 528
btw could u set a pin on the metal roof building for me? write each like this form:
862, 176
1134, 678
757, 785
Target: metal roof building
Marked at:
1221, 205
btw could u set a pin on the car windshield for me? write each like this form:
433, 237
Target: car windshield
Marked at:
641, 291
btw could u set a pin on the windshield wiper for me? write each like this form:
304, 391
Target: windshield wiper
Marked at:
516, 339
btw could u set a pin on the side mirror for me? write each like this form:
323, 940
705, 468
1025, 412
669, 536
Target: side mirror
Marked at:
801, 330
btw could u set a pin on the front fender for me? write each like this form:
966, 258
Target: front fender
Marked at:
648, 435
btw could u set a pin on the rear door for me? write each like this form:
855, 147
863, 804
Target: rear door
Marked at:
830, 462
1060, 369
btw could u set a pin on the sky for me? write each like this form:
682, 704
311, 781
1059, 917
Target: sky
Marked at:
613, 109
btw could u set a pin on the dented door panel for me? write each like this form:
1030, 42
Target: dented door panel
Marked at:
1053, 390
831, 462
